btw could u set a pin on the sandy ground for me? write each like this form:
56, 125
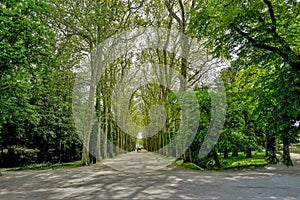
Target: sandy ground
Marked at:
148, 176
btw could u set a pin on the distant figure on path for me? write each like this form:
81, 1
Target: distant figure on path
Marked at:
138, 147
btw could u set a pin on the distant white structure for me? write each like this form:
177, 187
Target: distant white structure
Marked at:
139, 135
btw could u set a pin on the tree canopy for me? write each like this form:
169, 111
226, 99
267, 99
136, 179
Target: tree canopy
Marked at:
45, 45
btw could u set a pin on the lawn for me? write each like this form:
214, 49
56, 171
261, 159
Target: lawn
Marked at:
44, 166
258, 159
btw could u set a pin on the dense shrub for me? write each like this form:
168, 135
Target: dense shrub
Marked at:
15, 156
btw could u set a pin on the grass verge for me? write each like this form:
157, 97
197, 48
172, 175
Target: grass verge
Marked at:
188, 165
45, 166
258, 160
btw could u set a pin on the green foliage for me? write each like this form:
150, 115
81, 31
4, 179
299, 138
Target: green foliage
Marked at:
25, 47
260, 30
14, 155
260, 38
35, 103
42, 44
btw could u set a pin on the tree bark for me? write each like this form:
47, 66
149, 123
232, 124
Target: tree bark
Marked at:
286, 150
248, 153
235, 153
271, 149
216, 158
89, 115
226, 152
98, 146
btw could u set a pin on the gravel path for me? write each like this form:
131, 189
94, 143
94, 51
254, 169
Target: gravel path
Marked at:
146, 176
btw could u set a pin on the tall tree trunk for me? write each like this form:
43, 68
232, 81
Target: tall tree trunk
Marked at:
105, 132
286, 150
98, 146
111, 138
226, 152
89, 115
117, 141
187, 156
216, 158
122, 141
235, 153
271, 149
248, 153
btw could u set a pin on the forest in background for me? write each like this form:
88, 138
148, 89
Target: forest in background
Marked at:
43, 44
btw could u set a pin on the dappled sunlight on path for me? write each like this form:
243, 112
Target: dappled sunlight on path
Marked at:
107, 181
137, 162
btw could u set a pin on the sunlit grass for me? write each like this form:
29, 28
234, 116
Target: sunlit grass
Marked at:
258, 159
45, 166
190, 165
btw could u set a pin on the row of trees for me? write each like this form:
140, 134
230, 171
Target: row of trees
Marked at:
262, 85
35, 99
46, 44
265, 75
